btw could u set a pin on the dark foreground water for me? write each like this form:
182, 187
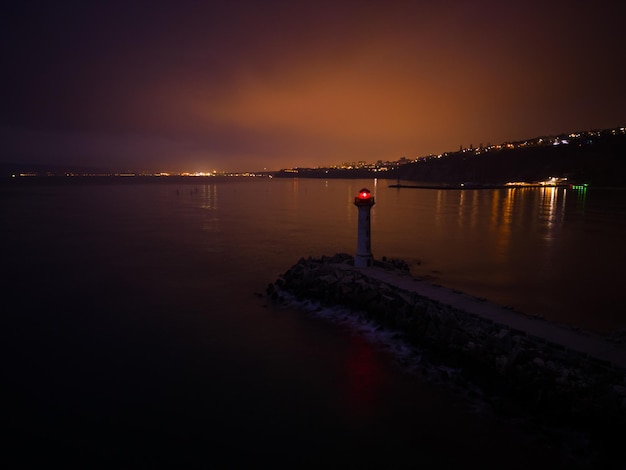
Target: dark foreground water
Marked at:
135, 333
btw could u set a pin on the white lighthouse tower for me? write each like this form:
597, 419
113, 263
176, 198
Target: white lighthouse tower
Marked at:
364, 202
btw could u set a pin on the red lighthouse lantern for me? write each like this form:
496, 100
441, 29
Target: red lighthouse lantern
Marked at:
364, 198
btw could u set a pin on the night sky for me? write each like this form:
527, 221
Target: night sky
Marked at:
246, 85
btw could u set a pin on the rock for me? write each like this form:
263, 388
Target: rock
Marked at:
501, 364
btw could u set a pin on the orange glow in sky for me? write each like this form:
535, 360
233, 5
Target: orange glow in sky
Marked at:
198, 86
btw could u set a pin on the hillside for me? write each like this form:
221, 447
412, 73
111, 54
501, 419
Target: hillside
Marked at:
600, 161
594, 157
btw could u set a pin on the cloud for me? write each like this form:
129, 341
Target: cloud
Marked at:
302, 84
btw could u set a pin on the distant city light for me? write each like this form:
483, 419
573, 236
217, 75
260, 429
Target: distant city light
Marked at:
579, 138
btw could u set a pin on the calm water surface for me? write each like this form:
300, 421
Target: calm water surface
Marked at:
135, 332
555, 252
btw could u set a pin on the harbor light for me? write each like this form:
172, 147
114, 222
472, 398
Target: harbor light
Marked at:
364, 202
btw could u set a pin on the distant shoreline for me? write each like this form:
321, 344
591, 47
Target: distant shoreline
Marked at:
476, 186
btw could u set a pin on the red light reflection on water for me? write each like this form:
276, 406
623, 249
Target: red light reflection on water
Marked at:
364, 378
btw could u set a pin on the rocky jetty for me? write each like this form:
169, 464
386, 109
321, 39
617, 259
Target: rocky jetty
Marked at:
522, 375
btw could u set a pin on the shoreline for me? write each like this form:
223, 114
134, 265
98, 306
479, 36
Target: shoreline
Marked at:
475, 186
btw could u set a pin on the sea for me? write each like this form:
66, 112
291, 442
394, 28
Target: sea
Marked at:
137, 332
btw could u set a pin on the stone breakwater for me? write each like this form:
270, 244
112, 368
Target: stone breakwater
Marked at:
522, 374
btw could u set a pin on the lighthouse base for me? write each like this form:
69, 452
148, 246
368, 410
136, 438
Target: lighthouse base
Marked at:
363, 261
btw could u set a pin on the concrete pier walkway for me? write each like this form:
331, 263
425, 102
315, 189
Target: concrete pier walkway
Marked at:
594, 346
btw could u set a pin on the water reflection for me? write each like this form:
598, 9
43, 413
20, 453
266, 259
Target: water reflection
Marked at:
210, 220
440, 208
501, 220
468, 213
209, 196
364, 378
551, 211
581, 197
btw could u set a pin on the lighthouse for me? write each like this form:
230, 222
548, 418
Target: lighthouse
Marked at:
364, 202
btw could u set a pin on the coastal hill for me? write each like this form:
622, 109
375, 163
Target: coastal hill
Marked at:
594, 157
